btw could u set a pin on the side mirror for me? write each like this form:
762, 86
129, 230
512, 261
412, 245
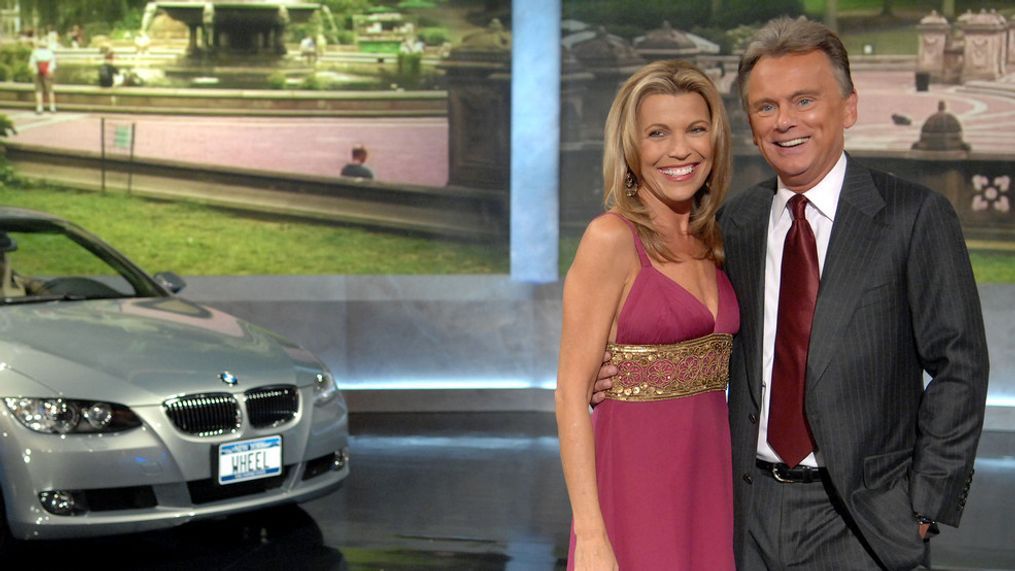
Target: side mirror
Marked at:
170, 281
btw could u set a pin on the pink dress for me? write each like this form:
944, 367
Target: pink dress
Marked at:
663, 468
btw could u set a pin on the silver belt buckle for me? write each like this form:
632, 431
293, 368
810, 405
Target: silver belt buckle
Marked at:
775, 474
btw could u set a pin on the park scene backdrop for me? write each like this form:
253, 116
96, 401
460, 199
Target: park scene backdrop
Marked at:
230, 122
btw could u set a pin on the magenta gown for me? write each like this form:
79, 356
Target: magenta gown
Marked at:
663, 468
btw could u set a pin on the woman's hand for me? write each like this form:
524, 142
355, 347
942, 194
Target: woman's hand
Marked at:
594, 554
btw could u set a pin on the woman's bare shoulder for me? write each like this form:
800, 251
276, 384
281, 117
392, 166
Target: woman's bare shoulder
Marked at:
610, 231
607, 243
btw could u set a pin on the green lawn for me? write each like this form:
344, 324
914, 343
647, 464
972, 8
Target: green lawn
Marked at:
993, 266
862, 23
906, 8
884, 42
192, 239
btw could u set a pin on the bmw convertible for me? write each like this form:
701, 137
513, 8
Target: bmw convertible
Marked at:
126, 408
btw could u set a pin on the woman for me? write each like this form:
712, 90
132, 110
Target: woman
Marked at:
648, 473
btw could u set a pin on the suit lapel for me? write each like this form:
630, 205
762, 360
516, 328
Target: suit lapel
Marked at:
746, 247
856, 233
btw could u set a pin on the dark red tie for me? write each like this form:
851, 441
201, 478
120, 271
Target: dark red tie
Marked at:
788, 433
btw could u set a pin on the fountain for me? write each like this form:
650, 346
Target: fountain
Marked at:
235, 27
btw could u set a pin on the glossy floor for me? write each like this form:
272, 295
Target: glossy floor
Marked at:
460, 491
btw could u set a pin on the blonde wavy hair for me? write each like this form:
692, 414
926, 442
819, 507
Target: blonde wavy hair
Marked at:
620, 154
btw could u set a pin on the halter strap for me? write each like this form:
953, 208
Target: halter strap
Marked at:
638, 245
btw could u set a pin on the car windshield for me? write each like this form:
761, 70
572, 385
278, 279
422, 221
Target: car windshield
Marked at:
44, 261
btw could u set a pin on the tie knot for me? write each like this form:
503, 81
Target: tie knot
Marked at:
798, 206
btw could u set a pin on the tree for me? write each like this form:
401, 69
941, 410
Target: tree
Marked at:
948, 8
62, 14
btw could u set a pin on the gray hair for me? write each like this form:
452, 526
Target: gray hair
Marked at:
785, 36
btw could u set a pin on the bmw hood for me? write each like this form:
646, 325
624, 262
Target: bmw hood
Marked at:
142, 351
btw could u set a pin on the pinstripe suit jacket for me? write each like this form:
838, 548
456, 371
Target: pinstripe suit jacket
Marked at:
897, 298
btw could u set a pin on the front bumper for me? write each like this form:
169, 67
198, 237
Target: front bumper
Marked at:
156, 477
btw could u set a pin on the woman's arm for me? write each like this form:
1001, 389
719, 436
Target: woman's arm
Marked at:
602, 270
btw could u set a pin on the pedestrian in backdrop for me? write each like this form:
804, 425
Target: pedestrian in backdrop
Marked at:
308, 49
356, 168
42, 63
108, 72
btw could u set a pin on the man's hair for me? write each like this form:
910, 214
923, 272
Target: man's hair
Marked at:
359, 153
785, 36
621, 153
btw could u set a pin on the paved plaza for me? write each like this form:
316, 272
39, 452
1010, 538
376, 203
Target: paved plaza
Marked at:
402, 150
988, 121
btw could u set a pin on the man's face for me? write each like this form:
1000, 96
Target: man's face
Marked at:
798, 116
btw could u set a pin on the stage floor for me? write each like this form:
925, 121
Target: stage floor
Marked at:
461, 491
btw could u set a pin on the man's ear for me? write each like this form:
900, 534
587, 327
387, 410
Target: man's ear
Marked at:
851, 115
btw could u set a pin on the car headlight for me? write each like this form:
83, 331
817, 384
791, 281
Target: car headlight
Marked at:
325, 389
66, 416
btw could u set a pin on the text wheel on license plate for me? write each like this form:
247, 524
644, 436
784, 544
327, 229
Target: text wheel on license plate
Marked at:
250, 459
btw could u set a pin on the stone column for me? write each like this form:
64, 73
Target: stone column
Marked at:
934, 31
610, 60
1011, 44
192, 48
941, 151
211, 37
985, 54
666, 43
478, 74
574, 87
281, 22
581, 178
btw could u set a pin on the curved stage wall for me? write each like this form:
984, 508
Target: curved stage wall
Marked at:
407, 343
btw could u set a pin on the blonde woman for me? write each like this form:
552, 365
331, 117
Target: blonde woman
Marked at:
648, 472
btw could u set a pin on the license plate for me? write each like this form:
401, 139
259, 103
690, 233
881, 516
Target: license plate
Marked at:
250, 459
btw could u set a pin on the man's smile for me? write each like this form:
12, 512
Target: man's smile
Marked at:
791, 142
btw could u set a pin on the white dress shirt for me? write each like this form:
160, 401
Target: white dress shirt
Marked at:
822, 199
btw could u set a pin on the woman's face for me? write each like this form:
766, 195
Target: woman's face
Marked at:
675, 144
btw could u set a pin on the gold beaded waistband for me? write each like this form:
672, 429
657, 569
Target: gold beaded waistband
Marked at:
658, 372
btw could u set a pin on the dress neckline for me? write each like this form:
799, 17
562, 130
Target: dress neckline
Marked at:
701, 304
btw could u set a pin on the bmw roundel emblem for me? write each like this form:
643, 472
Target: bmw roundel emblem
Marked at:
228, 378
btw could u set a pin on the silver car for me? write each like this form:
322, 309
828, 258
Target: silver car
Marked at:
124, 408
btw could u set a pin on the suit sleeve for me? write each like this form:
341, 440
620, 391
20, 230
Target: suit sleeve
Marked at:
952, 346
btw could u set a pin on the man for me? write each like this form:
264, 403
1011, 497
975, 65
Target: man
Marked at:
842, 459
357, 168
108, 71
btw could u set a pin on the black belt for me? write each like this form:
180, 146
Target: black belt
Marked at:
787, 475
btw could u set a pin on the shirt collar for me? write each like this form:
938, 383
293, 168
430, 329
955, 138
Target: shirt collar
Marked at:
824, 196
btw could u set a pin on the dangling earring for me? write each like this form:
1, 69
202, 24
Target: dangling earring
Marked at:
631, 184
